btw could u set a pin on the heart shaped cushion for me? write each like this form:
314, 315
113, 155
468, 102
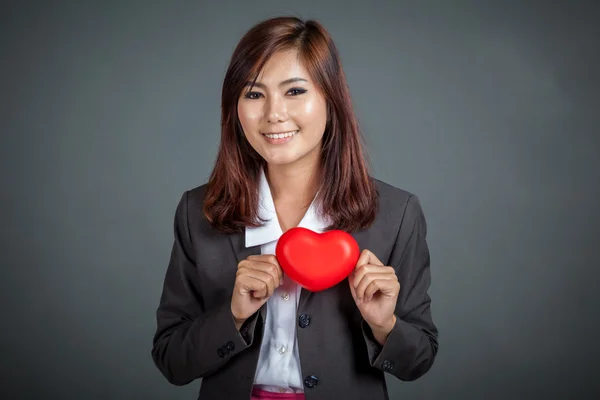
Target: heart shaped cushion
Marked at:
317, 261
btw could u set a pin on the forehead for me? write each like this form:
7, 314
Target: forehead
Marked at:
282, 65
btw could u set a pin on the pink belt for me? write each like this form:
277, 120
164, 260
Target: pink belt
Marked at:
259, 394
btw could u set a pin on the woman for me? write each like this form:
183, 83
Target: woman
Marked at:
290, 155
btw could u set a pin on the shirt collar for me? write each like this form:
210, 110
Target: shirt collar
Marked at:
271, 231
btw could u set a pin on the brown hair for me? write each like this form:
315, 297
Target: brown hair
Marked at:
347, 193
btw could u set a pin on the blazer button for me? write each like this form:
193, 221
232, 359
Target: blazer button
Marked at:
304, 320
221, 352
311, 381
387, 366
230, 346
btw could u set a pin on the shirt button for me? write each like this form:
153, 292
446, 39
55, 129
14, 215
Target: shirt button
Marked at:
285, 296
282, 350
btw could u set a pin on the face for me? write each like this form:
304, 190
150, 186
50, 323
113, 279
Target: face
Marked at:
284, 115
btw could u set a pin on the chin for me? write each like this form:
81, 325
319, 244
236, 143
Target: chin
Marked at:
281, 159
290, 156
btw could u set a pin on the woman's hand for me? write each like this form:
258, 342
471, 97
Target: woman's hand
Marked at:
375, 289
256, 279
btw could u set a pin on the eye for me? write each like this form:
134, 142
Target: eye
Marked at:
252, 95
296, 91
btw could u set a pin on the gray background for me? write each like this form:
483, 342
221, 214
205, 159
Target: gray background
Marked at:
486, 110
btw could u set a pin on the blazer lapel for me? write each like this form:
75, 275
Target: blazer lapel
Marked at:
239, 247
305, 295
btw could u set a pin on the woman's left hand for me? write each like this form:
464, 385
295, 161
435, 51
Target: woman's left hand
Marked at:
375, 290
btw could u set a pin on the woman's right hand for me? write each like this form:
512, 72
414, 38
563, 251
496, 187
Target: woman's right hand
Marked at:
256, 279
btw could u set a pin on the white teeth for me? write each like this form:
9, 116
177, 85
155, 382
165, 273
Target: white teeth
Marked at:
281, 135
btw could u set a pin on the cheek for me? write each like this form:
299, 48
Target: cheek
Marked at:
249, 116
313, 113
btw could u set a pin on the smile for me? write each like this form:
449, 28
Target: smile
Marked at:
281, 135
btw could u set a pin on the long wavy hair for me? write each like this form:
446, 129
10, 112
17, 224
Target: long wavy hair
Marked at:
347, 194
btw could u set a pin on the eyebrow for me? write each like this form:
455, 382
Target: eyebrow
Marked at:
282, 83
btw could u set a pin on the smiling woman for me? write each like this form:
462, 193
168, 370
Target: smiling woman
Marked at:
291, 156
285, 79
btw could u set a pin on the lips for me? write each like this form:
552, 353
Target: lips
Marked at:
281, 135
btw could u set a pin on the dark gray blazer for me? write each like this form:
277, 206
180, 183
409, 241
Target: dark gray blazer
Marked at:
196, 336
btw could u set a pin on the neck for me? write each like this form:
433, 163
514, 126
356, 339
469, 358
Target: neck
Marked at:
293, 182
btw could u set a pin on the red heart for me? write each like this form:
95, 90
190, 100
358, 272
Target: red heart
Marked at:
317, 261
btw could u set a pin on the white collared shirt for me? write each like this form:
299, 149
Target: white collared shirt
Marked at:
279, 362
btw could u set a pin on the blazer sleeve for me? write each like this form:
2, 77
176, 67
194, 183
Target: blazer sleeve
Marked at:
190, 341
411, 347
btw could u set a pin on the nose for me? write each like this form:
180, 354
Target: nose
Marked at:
276, 110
